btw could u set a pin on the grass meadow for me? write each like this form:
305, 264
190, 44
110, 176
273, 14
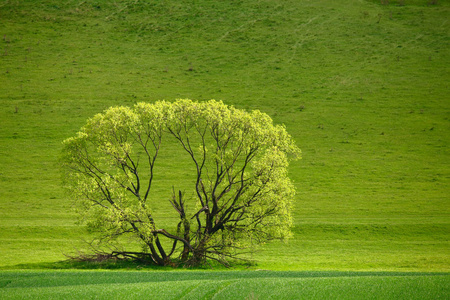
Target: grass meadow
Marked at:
361, 85
222, 285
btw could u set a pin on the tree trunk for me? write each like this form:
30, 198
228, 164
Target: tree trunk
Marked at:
199, 253
158, 260
186, 250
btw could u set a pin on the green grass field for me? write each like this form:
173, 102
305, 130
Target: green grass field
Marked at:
223, 285
361, 86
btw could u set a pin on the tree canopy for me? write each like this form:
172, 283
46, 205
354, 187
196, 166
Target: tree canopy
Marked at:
240, 192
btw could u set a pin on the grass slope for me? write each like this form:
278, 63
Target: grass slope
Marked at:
362, 87
223, 285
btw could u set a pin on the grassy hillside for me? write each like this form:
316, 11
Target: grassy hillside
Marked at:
362, 87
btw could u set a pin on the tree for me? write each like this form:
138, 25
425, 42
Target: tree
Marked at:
241, 193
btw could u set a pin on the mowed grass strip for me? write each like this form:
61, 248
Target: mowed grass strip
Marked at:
223, 285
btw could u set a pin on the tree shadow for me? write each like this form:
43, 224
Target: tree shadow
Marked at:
112, 264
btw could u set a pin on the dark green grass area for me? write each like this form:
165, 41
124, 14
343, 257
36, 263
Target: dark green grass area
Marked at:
362, 87
223, 285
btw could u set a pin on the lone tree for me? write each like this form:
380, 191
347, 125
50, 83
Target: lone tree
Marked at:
240, 191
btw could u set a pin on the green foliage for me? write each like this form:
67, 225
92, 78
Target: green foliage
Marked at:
242, 191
